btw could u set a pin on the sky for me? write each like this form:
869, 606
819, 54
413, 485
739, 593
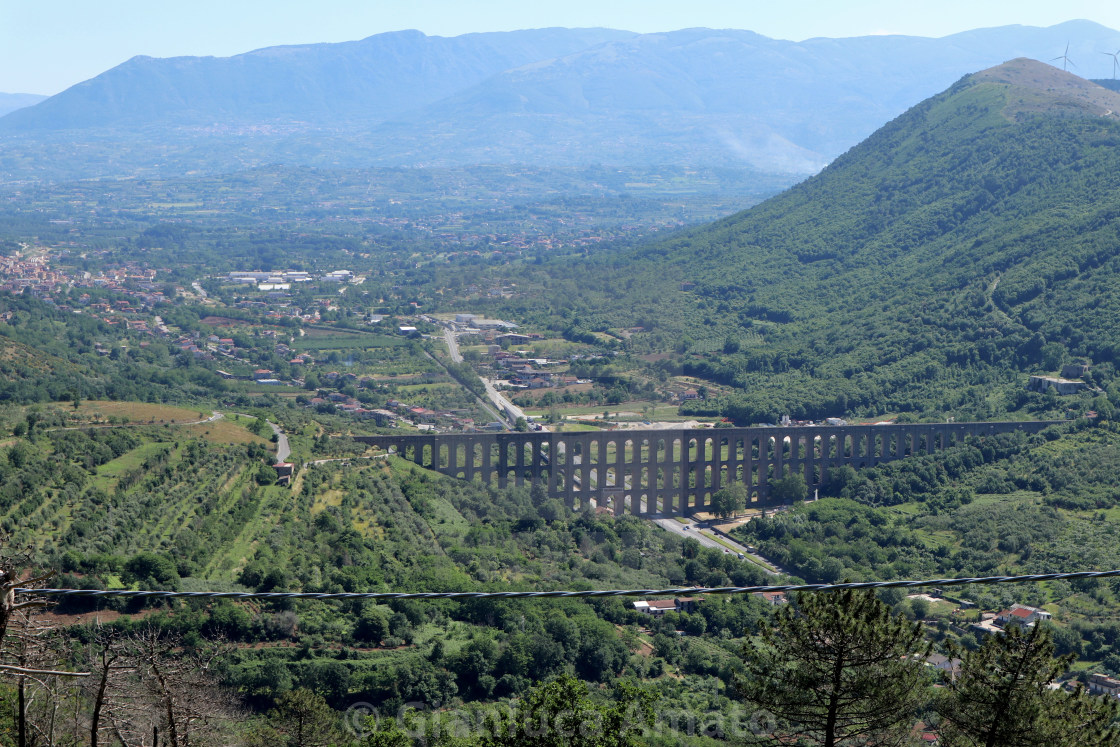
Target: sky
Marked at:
47, 46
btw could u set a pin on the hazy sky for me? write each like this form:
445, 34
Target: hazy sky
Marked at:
49, 45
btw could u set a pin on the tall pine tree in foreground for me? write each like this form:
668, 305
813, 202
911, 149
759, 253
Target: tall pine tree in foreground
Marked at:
837, 669
1003, 698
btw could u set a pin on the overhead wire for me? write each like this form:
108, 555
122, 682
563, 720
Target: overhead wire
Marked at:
564, 594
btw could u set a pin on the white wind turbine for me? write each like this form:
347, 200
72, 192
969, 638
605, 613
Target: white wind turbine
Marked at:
1065, 59
1115, 61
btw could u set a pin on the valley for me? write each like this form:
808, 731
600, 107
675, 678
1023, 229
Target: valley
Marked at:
297, 376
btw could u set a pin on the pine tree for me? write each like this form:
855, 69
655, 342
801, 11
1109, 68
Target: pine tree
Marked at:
1003, 696
561, 713
837, 668
305, 719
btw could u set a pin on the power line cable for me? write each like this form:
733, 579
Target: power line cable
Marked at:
687, 590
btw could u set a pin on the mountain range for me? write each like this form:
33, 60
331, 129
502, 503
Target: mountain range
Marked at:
319, 85
971, 241
9, 102
546, 96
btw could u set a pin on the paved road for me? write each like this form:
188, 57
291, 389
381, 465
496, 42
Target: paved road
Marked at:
198, 289
452, 346
506, 409
503, 404
693, 531
481, 402
282, 450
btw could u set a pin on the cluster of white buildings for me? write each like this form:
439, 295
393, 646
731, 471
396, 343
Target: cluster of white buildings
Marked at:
475, 322
283, 280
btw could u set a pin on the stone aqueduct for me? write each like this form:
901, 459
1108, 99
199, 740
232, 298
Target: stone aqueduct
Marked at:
675, 472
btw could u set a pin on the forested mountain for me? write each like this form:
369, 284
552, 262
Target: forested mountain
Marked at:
547, 97
970, 241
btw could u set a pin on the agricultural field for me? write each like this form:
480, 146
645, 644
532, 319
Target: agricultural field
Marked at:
137, 412
98, 413
318, 340
225, 430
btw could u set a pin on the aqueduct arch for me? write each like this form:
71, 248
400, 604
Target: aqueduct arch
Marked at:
675, 472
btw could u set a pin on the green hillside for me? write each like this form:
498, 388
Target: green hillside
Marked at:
927, 272
47, 354
969, 242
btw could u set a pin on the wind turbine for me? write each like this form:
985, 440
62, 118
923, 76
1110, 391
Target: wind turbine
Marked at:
1065, 59
1115, 61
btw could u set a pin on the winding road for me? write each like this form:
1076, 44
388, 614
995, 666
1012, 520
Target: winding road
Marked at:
282, 449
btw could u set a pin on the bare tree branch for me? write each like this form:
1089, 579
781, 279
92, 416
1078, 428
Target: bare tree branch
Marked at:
41, 672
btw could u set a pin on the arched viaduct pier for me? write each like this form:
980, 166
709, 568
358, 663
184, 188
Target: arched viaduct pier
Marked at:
675, 472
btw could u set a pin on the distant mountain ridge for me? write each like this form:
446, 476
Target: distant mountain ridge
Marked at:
547, 96
9, 102
360, 82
